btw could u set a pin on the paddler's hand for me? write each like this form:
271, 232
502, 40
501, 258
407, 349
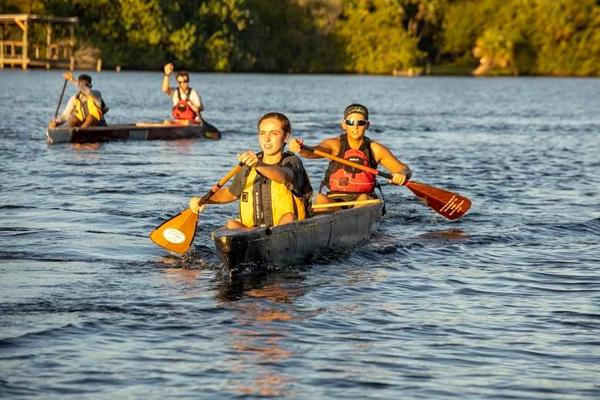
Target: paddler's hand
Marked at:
295, 145
68, 76
52, 123
169, 68
194, 206
398, 179
248, 158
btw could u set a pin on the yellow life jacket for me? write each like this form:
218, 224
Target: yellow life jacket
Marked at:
82, 109
263, 202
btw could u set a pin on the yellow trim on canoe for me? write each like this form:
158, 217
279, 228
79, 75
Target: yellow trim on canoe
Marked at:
346, 203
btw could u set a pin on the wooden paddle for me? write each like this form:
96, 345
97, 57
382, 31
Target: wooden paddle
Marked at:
450, 205
62, 93
177, 233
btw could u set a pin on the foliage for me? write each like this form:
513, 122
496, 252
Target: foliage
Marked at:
375, 39
551, 37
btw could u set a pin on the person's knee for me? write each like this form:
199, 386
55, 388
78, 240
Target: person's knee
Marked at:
322, 199
234, 224
361, 197
286, 218
73, 122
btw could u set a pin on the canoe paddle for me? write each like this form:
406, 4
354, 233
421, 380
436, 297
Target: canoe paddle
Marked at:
177, 233
450, 205
62, 93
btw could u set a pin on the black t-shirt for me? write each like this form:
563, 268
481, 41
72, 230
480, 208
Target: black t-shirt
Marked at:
292, 162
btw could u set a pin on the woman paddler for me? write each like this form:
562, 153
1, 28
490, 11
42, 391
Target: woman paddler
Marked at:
272, 186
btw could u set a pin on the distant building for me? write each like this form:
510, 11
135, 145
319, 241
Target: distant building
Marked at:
28, 40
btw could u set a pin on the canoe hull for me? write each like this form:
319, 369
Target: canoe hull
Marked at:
296, 243
131, 132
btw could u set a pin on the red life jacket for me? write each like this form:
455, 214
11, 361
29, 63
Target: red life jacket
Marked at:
344, 179
182, 110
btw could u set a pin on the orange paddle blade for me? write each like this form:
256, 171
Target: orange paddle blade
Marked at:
450, 205
177, 233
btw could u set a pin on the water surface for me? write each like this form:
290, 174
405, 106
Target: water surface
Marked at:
503, 303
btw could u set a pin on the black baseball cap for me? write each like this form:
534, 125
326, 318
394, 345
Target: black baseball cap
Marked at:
84, 77
356, 108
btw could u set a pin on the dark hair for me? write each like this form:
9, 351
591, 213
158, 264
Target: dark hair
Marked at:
85, 77
356, 108
285, 122
182, 73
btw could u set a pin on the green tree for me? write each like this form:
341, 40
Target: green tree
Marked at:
375, 40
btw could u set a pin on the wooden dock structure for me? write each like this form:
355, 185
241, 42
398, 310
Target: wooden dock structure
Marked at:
22, 41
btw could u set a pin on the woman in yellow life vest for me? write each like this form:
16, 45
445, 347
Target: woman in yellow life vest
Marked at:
272, 187
84, 109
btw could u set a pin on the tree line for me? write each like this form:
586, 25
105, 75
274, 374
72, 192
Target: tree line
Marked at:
486, 37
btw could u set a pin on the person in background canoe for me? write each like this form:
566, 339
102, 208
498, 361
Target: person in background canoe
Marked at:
343, 182
84, 109
273, 187
187, 103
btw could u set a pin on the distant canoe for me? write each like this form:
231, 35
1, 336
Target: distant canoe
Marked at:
139, 131
298, 242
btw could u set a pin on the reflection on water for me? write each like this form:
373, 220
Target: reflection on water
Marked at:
86, 146
263, 310
180, 275
445, 234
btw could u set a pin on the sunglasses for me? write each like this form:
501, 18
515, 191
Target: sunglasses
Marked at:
358, 122
184, 81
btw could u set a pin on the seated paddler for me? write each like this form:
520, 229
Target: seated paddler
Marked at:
187, 103
84, 109
272, 186
343, 183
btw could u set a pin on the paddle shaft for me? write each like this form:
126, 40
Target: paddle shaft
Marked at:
62, 93
346, 162
204, 199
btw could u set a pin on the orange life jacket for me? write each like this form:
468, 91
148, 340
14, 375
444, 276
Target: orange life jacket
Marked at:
344, 179
182, 109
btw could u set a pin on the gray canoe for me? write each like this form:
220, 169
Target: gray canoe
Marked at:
140, 131
298, 242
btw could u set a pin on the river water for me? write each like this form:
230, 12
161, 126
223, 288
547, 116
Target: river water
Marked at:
503, 303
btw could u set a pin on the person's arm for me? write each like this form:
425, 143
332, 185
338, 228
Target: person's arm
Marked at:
89, 119
64, 116
222, 196
272, 172
400, 171
168, 70
295, 165
330, 146
196, 101
84, 89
